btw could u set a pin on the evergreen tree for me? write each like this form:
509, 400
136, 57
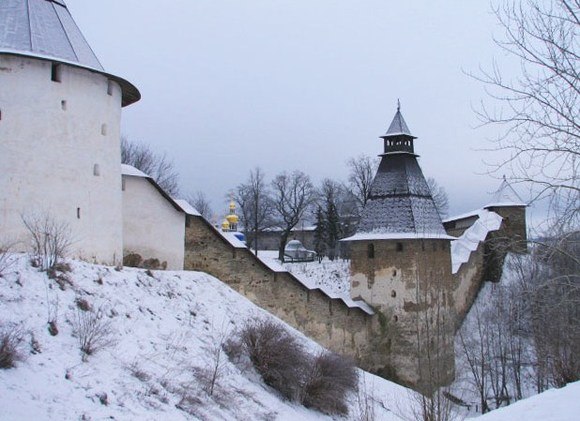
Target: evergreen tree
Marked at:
332, 228
320, 234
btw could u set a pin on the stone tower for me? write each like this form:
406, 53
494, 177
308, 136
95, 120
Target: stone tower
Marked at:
60, 114
401, 264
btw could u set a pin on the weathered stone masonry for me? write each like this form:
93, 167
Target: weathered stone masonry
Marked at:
348, 331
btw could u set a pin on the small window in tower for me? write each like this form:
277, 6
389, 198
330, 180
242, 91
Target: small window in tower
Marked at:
78, 213
56, 72
63, 105
371, 251
399, 246
104, 129
123, 184
393, 293
110, 87
396, 318
96, 170
394, 272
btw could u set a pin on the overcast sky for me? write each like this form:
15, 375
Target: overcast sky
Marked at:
299, 84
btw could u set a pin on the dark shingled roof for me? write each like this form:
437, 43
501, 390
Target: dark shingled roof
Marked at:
400, 201
45, 29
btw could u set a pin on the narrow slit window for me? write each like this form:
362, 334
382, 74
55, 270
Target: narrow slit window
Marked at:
56, 72
63, 105
123, 184
399, 246
96, 170
371, 251
78, 213
104, 129
110, 87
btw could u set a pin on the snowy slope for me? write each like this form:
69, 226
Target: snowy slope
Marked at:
554, 405
165, 327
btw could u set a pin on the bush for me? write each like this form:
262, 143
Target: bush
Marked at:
331, 378
322, 382
5, 261
11, 338
92, 330
50, 239
275, 355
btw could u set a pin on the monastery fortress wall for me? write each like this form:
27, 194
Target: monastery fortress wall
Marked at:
60, 158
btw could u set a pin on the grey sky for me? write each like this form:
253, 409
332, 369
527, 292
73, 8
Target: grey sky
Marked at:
230, 85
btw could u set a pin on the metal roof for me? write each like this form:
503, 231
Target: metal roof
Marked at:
45, 29
398, 126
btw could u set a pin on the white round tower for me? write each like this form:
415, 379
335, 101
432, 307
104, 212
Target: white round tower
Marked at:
60, 116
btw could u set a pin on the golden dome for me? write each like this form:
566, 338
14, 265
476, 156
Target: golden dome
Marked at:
225, 225
232, 218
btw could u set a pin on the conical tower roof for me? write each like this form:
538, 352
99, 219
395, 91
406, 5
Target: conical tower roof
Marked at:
45, 29
398, 126
505, 195
399, 204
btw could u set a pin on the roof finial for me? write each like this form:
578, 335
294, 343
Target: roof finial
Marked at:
398, 105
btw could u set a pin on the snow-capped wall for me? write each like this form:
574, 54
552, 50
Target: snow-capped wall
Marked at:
462, 248
59, 153
152, 225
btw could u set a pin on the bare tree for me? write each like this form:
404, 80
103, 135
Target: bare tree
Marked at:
256, 205
158, 166
50, 238
362, 173
292, 195
201, 203
440, 197
540, 108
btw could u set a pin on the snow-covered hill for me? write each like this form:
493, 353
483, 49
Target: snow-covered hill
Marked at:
164, 329
553, 405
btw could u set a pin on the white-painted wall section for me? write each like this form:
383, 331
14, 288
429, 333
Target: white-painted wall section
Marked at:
152, 227
59, 154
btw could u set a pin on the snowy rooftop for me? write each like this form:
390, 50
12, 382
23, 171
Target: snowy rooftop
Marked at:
46, 30
400, 202
187, 208
132, 171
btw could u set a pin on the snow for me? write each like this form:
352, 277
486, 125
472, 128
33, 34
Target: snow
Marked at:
164, 325
463, 246
231, 238
554, 405
186, 207
337, 288
378, 235
127, 169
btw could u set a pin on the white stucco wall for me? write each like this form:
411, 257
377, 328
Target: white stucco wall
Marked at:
152, 227
51, 138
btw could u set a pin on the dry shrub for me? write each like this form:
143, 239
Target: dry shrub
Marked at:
330, 380
50, 239
92, 330
5, 260
11, 338
322, 382
275, 355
